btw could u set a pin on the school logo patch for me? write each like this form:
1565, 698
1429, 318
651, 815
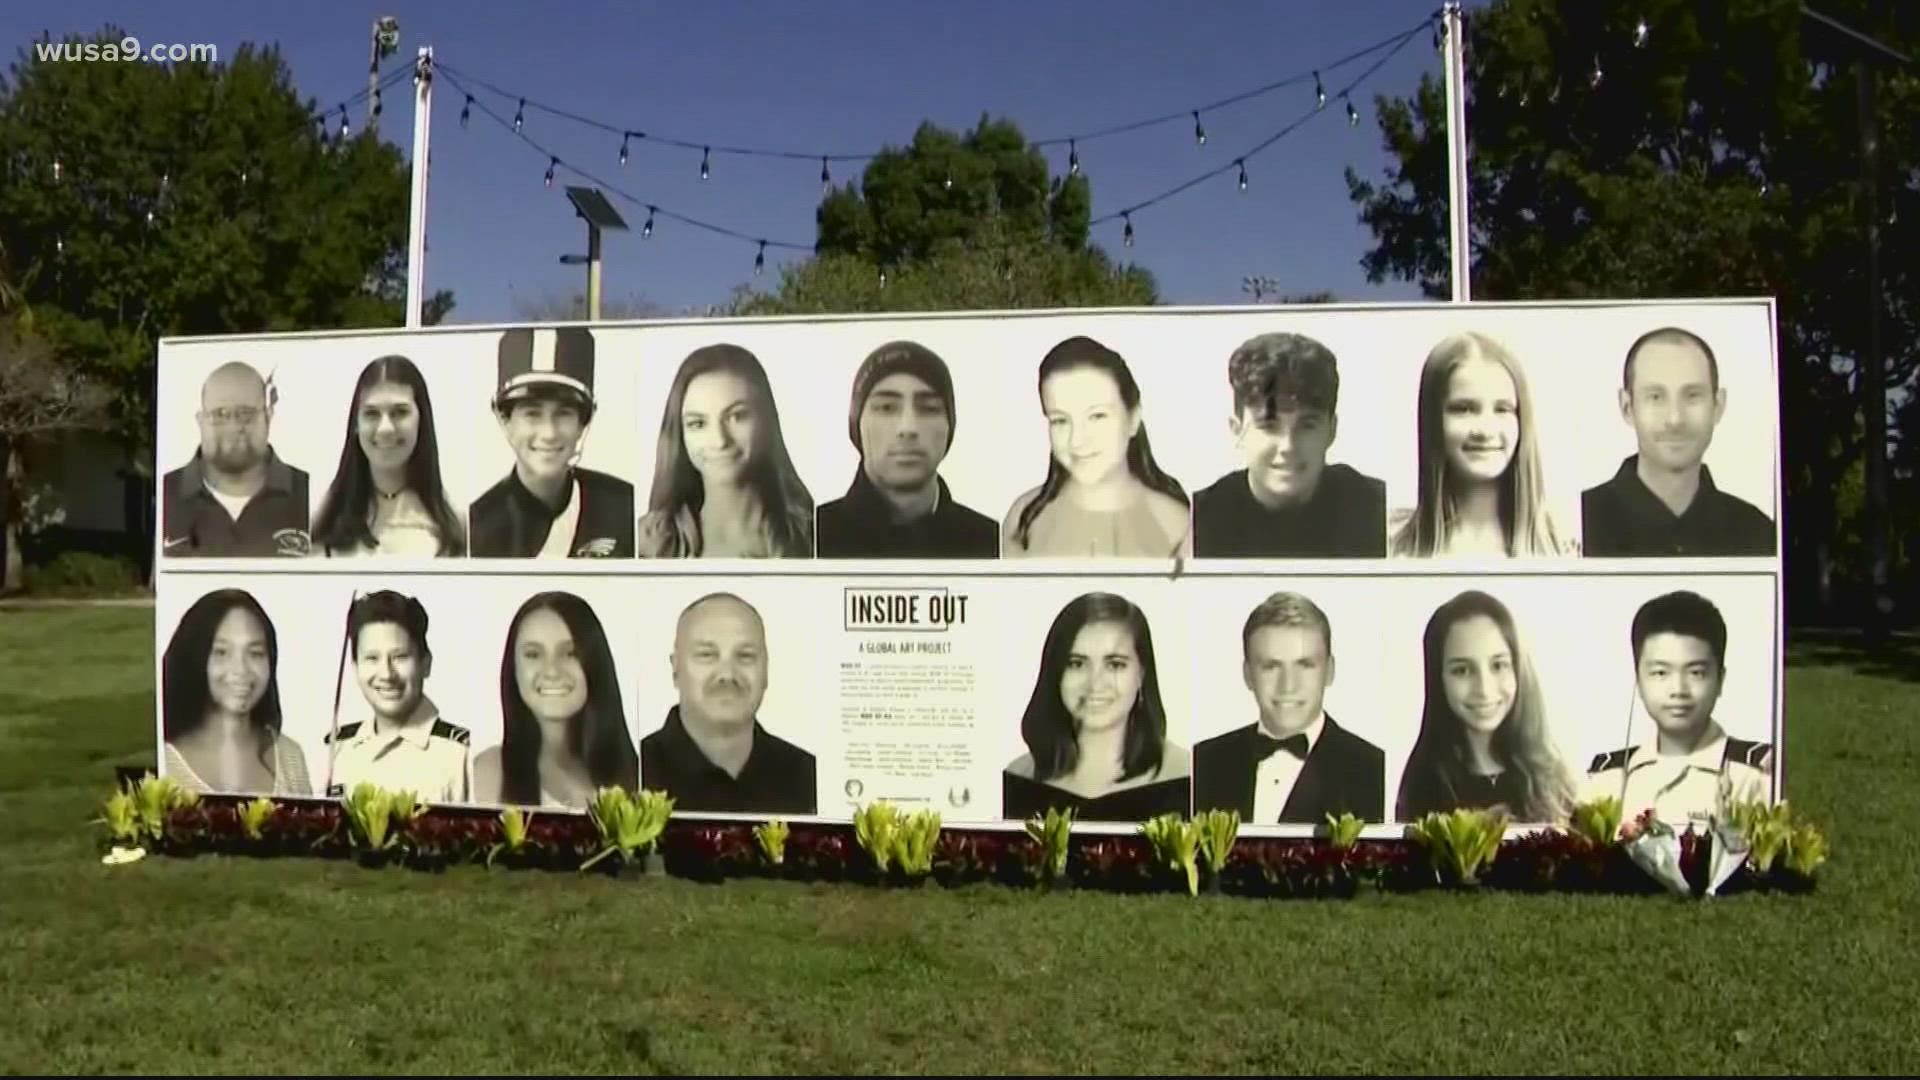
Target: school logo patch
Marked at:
293, 542
597, 548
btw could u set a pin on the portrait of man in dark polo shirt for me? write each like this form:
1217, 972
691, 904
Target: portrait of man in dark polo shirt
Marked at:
1662, 501
713, 753
548, 506
901, 420
1288, 502
235, 498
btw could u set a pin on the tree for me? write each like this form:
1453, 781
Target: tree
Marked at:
999, 235
939, 191
39, 397
1715, 154
142, 200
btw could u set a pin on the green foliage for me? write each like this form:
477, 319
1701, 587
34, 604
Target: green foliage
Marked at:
254, 816
1597, 821
1460, 843
1052, 833
915, 837
1773, 835
937, 191
1344, 831
121, 815
629, 824
1719, 156
83, 573
375, 815
256, 223
513, 833
772, 838
1217, 831
154, 799
1174, 842
1806, 850
873, 826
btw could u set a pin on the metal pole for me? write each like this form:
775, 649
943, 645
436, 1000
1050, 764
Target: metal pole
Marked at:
1873, 383
593, 271
417, 212
373, 73
1459, 245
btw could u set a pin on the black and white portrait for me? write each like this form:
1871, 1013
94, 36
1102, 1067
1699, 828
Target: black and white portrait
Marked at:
387, 496
235, 498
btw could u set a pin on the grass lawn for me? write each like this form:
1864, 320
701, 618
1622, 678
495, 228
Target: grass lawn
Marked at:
245, 966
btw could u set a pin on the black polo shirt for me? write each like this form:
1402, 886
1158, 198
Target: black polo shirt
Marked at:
1345, 519
1623, 518
777, 779
195, 523
861, 526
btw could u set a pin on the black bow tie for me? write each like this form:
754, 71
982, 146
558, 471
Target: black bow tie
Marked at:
1264, 745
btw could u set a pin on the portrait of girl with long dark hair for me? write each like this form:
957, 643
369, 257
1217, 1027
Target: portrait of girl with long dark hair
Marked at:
1095, 726
220, 697
563, 720
1104, 495
1483, 739
387, 497
724, 485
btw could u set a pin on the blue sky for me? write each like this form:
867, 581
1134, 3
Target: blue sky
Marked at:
831, 77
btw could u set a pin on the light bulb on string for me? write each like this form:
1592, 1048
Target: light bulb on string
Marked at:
1353, 114
520, 116
149, 219
760, 259
320, 125
1319, 92
243, 177
1073, 158
377, 106
59, 247
948, 183
646, 231
706, 156
1594, 79
624, 136
56, 170
1640, 33
344, 129
1242, 162
883, 279
552, 164
1126, 235
466, 111
1199, 130
826, 176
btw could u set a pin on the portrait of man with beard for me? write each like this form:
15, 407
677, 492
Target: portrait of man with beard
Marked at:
235, 498
712, 752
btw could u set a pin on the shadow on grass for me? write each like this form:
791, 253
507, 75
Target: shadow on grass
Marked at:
1898, 658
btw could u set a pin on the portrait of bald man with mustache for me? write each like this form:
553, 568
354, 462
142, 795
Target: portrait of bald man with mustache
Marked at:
712, 753
235, 498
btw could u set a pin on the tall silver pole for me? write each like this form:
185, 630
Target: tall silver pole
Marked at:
417, 214
1459, 247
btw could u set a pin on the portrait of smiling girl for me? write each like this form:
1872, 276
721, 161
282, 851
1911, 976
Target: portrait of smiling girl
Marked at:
1481, 490
1483, 739
1103, 495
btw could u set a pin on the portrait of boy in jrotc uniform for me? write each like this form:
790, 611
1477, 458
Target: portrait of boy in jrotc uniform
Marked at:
404, 745
549, 507
1680, 652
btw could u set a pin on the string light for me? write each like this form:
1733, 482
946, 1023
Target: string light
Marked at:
149, 219
466, 111
646, 231
243, 177
344, 129
1640, 33
320, 122
1073, 158
1243, 172
377, 106
1319, 92
826, 177
623, 146
760, 259
1199, 131
706, 156
1126, 236
883, 279
59, 246
520, 116
948, 185
1594, 79
1353, 114
552, 164
56, 170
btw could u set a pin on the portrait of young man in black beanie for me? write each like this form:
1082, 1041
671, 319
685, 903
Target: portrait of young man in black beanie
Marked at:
901, 419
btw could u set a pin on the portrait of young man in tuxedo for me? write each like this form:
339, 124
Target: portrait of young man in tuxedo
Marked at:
1294, 765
